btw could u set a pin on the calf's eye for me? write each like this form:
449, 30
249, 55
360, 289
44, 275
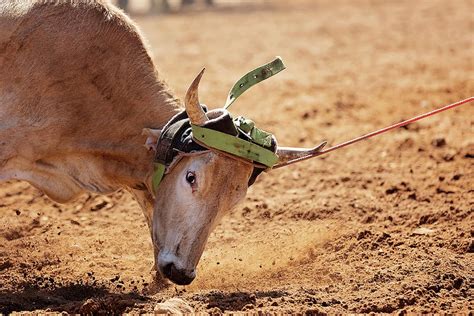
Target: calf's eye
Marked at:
191, 177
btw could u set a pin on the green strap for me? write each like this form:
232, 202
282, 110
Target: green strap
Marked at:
158, 175
231, 144
234, 146
258, 136
252, 78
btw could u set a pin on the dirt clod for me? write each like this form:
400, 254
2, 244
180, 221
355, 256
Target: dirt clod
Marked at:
438, 142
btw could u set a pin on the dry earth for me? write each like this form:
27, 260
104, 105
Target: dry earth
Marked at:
382, 226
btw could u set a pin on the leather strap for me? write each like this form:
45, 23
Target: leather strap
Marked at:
252, 78
234, 146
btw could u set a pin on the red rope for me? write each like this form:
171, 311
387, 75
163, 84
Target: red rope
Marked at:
380, 131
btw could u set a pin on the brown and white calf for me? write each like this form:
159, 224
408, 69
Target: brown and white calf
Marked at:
77, 87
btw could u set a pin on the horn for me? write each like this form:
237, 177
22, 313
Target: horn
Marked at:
290, 155
196, 114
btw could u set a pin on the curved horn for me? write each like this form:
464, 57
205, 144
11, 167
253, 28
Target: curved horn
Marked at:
196, 114
290, 155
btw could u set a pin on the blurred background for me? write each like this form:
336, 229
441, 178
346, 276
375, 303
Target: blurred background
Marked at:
169, 6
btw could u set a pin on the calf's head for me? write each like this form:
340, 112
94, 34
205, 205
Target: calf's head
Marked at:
189, 203
199, 188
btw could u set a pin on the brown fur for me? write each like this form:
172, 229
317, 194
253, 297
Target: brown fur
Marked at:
77, 86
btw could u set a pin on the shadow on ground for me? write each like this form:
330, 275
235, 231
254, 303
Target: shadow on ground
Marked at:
236, 301
70, 298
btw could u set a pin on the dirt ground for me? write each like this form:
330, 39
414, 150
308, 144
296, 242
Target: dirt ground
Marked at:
383, 226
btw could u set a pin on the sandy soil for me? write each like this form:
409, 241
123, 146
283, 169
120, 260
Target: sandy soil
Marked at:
382, 226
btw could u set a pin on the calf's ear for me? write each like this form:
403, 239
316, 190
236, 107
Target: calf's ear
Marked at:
153, 135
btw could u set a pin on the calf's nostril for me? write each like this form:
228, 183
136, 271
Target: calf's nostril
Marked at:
168, 270
178, 276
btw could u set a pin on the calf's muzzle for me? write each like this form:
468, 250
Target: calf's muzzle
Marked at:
170, 268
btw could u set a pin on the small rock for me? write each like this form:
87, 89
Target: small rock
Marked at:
174, 306
457, 177
100, 205
423, 231
345, 179
438, 142
458, 283
449, 156
470, 248
391, 190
